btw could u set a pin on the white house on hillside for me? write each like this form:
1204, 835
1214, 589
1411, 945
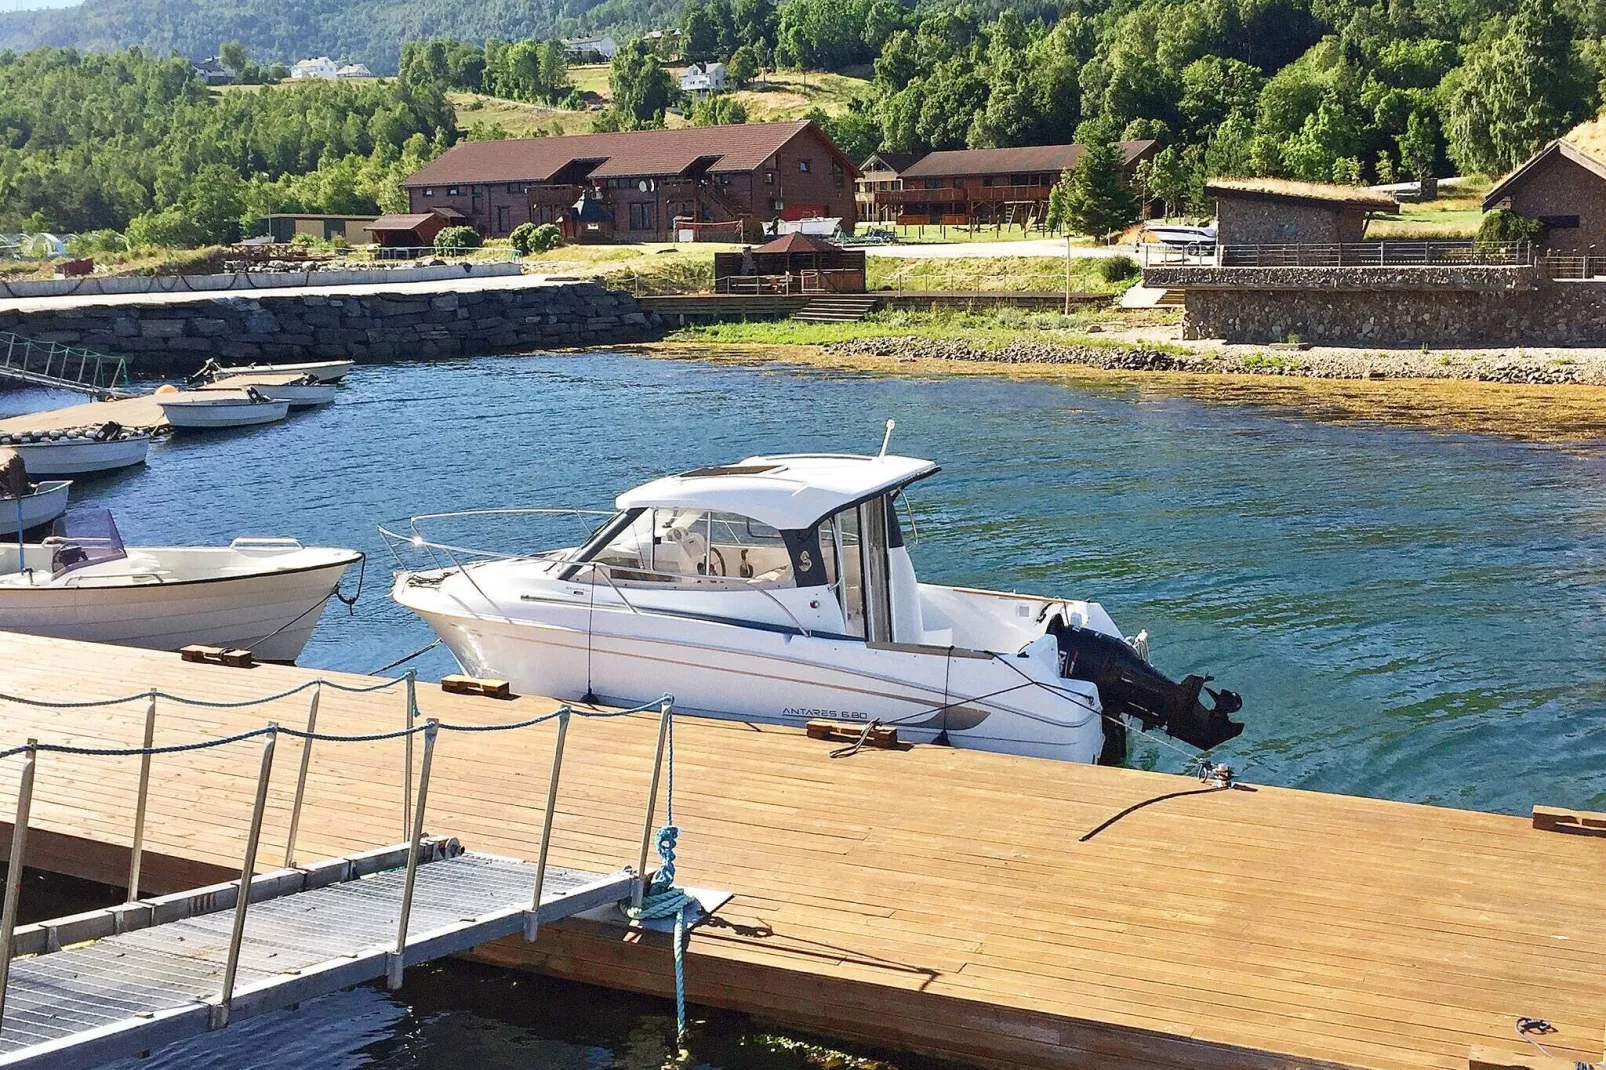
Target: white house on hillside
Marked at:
703, 78
584, 47
354, 70
321, 67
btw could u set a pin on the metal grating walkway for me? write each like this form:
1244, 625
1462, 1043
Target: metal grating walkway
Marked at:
307, 933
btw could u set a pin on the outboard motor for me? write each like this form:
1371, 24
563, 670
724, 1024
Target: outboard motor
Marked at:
1131, 687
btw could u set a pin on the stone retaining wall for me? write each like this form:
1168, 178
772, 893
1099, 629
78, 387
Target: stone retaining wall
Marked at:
368, 326
1403, 306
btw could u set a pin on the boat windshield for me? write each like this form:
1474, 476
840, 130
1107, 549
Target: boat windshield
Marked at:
82, 538
678, 547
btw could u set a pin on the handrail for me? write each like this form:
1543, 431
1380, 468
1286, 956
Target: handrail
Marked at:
32, 750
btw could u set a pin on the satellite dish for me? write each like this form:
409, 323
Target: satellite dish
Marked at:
644, 185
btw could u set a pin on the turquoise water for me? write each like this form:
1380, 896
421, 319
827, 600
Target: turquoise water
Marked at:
1408, 615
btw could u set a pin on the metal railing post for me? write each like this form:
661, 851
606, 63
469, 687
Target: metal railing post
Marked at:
397, 962
301, 781
532, 920
19, 842
407, 749
136, 854
652, 802
248, 868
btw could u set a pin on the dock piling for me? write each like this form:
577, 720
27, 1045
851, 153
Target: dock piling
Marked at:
242, 898
409, 716
137, 852
398, 960
301, 782
19, 841
652, 802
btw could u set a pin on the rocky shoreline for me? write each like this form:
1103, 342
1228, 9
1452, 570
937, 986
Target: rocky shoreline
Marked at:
1487, 366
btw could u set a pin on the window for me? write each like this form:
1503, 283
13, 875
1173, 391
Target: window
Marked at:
1559, 222
454, 191
838, 176
803, 167
643, 216
429, 191
1020, 180
769, 178
513, 187
690, 548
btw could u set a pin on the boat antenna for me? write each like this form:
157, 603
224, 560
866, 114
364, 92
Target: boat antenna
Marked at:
886, 439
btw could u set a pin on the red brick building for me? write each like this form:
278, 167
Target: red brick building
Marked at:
982, 187
644, 179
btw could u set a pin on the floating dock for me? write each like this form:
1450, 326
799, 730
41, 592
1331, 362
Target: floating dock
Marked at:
929, 899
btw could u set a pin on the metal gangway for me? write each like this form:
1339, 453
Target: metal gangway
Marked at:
63, 367
110, 984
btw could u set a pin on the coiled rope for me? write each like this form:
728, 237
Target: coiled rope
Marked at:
663, 899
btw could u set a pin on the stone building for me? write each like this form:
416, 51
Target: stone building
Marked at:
645, 180
1274, 211
1563, 185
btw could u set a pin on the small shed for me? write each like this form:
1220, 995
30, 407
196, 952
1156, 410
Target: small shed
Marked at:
1563, 186
792, 263
284, 226
411, 231
1274, 211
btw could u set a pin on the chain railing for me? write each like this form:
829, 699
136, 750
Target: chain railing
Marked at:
62, 366
412, 815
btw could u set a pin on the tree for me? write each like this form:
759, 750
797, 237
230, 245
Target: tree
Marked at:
1516, 92
1096, 199
641, 87
1419, 152
233, 55
1169, 179
720, 110
743, 65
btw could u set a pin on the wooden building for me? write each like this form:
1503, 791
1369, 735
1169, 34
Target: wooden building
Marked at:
881, 173
284, 226
988, 187
793, 263
645, 179
1275, 211
1563, 186
414, 230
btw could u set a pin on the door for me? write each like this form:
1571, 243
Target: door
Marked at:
858, 541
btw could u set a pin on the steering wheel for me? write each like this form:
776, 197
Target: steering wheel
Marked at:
716, 562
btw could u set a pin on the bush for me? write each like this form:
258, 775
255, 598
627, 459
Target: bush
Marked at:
1117, 268
1503, 225
457, 238
530, 238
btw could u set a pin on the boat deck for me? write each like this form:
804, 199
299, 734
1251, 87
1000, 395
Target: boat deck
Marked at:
925, 898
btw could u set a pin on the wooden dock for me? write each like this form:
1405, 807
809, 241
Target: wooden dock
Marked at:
927, 898
135, 413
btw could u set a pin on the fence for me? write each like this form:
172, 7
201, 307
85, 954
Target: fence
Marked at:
1343, 255
805, 281
412, 816
55, 364
1573, 267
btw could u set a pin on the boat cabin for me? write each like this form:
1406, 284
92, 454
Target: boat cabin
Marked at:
775, 523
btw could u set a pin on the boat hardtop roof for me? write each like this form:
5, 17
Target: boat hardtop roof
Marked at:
788, 492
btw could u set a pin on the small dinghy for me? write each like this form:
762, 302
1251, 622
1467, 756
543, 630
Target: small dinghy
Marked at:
779, 589
301, 391
262, 595
214, 409
323, 371
24, 504
80, 451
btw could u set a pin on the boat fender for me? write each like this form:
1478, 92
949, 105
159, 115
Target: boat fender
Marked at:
55, 436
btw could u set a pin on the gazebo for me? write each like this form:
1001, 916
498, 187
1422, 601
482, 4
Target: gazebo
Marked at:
588, 219
792, 263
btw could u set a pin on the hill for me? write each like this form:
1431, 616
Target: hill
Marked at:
369, 31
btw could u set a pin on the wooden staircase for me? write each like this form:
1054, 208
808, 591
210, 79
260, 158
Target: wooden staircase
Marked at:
837, 308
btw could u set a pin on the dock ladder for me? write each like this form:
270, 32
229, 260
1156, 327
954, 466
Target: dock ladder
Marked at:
110, 984
59, 366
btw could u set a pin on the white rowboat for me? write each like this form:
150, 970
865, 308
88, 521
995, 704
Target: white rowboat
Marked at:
325, 371
82, 455
197, 410
47, 501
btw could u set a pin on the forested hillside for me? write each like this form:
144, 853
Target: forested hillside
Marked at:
370, 31
126, 140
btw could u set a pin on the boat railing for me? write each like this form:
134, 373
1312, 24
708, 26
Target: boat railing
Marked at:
413, 538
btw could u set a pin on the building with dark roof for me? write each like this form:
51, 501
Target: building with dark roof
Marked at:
881, 173
973, 187
645, 179
1563, 186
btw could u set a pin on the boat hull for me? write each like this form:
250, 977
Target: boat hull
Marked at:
731, 671
82, 456
302, 395
38, 508
214, 415
325, 371
271, 614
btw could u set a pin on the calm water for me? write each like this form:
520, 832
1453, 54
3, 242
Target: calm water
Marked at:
1408, 615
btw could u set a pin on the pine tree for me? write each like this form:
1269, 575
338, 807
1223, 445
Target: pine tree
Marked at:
1096, 199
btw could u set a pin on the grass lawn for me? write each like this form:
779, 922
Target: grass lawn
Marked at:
516, 117
1455, 215
787, 95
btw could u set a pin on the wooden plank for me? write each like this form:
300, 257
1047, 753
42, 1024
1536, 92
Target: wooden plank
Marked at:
930, 898
1577, 822
1490, 1058
458, 684
872, 735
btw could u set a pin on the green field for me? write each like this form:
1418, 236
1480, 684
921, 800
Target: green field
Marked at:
1455, 215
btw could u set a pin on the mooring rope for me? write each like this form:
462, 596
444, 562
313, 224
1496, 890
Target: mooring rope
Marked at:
663, 899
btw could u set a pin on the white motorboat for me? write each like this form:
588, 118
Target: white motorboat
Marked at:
324, 371
1196, 240
301, 391
214, 409
79, 451
779, 589
264, 595
42, 503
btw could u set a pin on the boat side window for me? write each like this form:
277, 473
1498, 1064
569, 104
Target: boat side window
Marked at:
627, 550
682, 547
850, 569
